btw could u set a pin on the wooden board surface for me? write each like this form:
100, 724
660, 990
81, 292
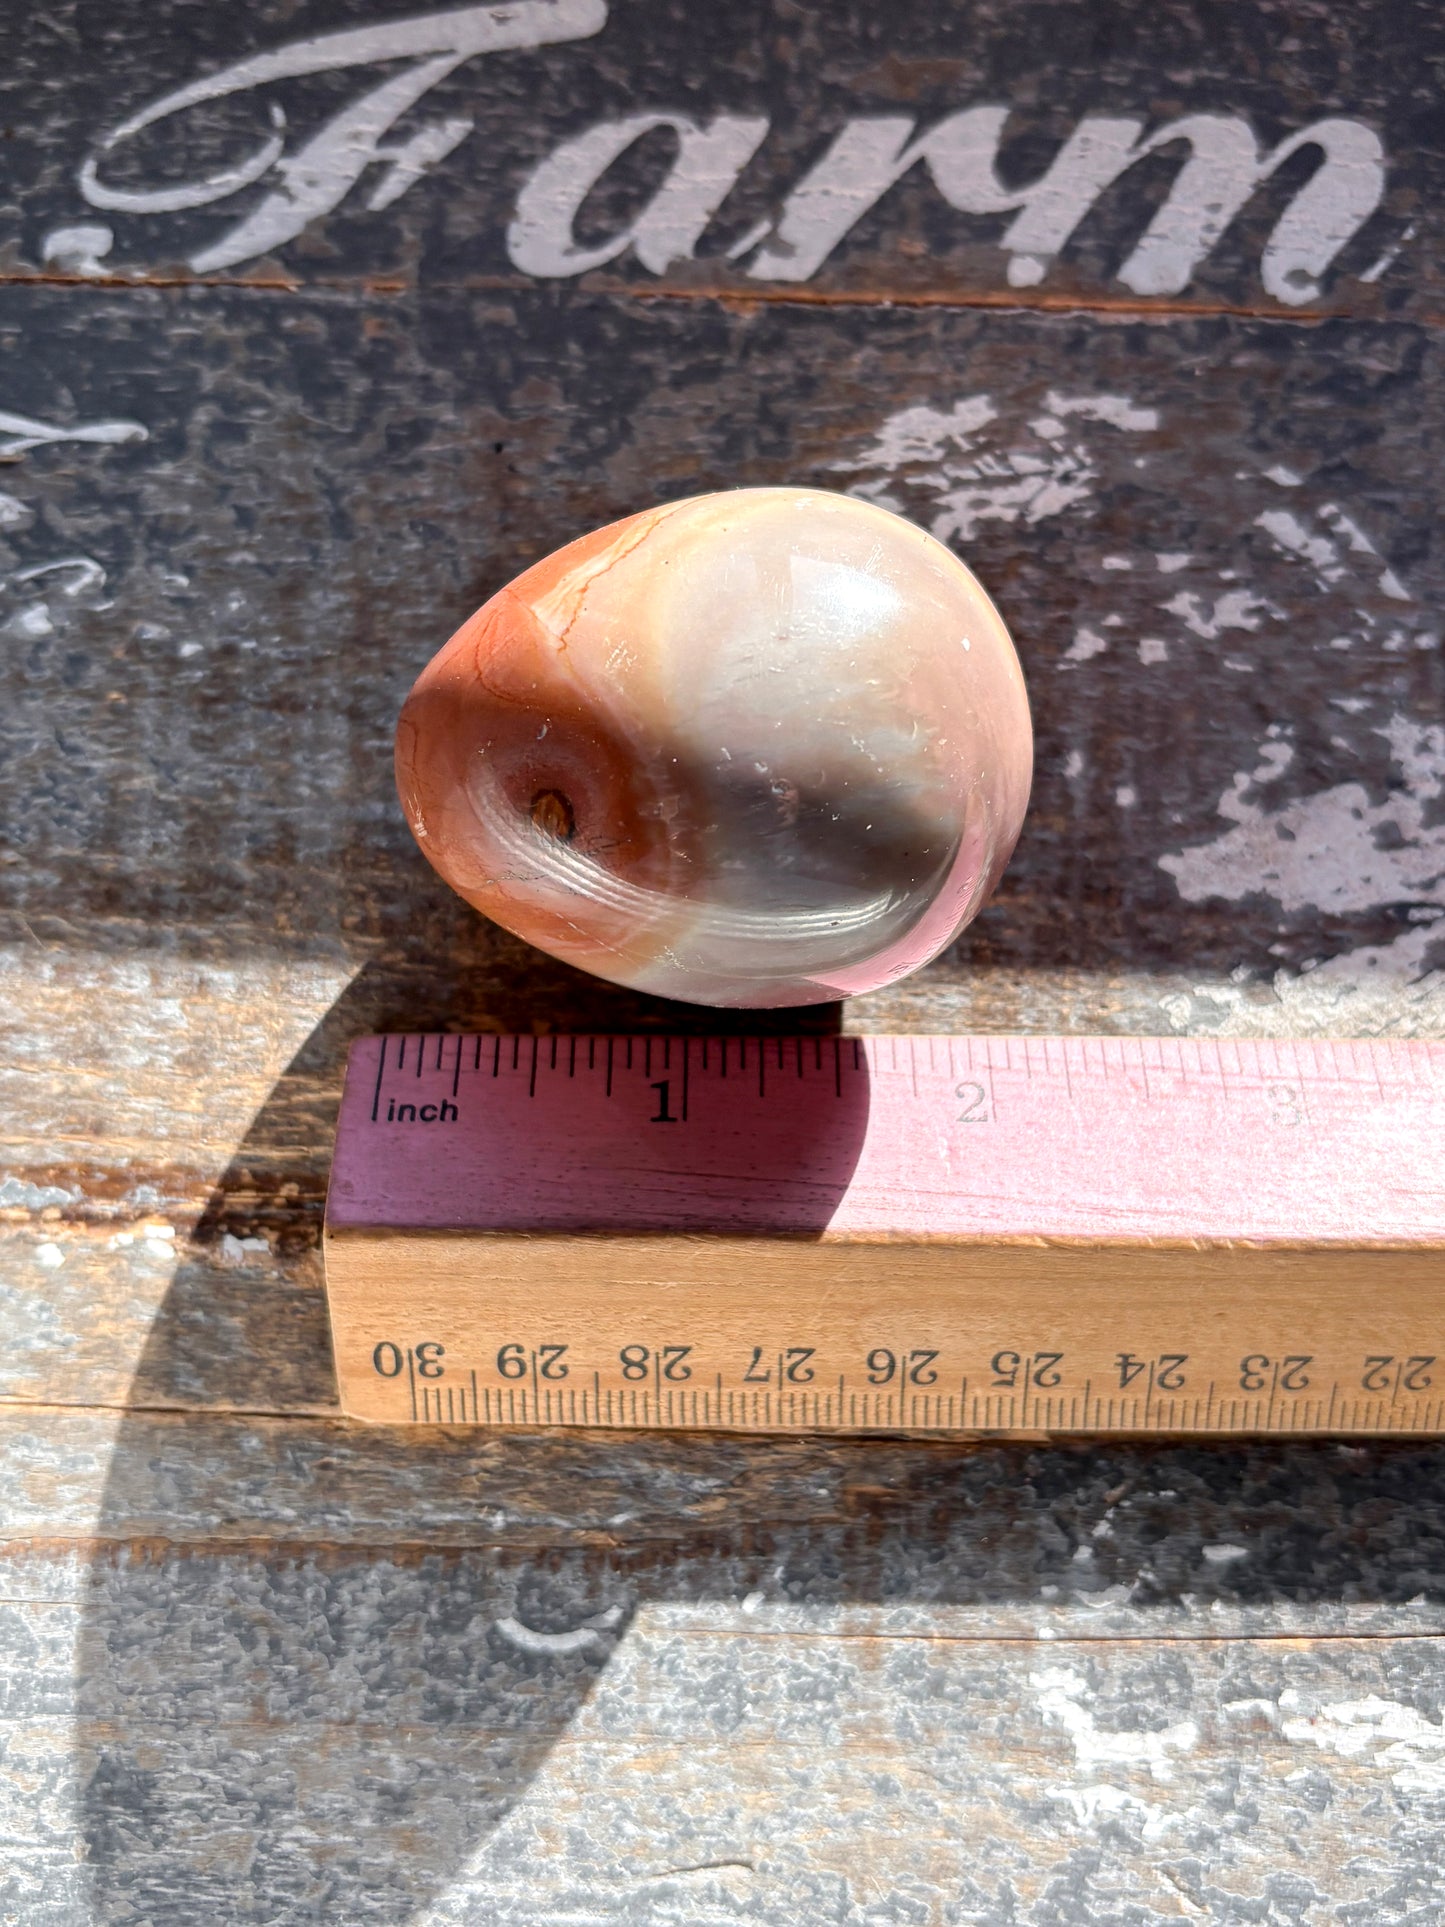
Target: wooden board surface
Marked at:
296, 368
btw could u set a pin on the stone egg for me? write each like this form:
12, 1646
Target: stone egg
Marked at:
764, 747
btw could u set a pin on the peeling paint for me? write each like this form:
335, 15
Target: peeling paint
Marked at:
1093, 1805
1085, 645
1237, 609
1335, 850
979, 469
1062, 1696
1378, 1732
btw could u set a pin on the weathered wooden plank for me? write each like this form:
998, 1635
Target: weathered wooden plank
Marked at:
389, 1745
1160, 579
748, 148
199, 790
127, 1318
1155, 1541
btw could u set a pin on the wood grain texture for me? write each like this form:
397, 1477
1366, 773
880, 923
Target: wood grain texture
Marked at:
279, 1682
328, 537
265, 1666
713, 1777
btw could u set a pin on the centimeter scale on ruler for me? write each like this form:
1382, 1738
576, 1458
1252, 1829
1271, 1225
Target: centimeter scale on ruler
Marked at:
920, 1234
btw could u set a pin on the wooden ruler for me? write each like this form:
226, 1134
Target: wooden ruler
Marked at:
1012, 1236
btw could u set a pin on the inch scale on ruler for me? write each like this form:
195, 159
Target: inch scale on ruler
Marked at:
1010, 1236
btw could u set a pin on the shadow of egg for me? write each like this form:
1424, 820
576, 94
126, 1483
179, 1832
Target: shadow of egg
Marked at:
319, 1662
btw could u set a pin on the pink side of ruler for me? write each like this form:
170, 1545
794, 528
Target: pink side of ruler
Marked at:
932, 1137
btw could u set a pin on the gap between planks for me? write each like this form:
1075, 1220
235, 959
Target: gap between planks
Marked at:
1047, 1636
1102, 307
266, 1414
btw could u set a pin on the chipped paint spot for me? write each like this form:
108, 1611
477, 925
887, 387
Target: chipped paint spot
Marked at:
924, 434
1377, 1732
1390, 255
1354, 537
1115, 409
1093, 1805
1335, 850
978, 470
1236, 609
82, 572
234, 1251
1061, 1697
1287, 532
1326, 554
1086, 643
79, 250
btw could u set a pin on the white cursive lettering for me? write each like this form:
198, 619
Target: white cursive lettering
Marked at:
1224, 165
320, 174
709, 161
1224, 168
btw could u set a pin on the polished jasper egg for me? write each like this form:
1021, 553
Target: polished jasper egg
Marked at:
765, 747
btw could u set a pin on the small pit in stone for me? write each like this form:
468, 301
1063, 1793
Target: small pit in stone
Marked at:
552, 814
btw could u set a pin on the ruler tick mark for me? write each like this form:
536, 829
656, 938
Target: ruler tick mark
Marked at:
380, 1067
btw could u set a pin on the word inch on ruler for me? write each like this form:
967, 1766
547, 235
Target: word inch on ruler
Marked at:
972, 1235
